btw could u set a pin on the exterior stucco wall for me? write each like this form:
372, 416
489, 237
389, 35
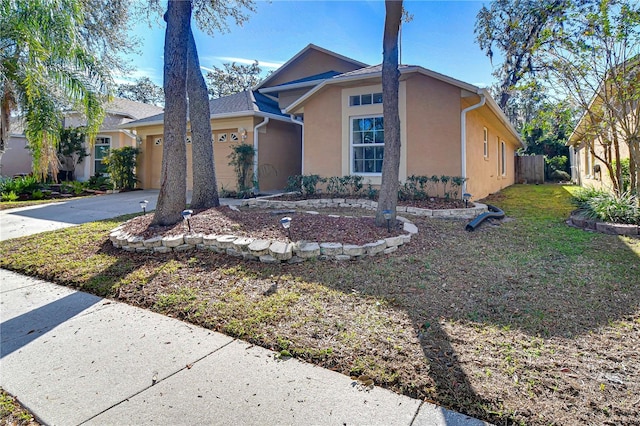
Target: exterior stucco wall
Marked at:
286, 98
433, 127
310, 63
485, 173
16, 158
323, 134
279, 154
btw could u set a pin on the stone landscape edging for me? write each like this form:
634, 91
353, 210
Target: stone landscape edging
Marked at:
273, 251
579, 221
269, 203
265, 251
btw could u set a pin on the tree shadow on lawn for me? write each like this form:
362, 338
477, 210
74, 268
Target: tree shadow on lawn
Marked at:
522, 284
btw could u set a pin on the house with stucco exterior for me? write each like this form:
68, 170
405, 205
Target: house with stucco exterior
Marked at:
17, 157
321, 113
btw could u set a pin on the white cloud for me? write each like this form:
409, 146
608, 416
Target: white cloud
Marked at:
134, 75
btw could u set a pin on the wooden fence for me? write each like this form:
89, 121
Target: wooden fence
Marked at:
530, 169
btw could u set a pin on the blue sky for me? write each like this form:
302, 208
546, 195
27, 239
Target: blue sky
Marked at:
440, 37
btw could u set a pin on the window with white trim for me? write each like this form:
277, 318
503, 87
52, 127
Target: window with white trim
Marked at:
486, 142
365, 99
100, 151
503, 158
367, 144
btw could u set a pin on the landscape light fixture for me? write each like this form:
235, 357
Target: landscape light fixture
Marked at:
186, 215
466, 197
387, 216
143, 206
286, 224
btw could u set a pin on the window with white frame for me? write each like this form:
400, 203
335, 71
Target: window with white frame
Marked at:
367, 145
101, 151
365, 99
503, 158
486, 143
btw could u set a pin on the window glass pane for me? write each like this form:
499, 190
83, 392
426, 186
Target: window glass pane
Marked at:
357, 138
377, 98
379, 135
367, 137
366, 99
354, 100
379, 123
101, 151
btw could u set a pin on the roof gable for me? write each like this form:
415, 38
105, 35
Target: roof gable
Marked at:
310, 61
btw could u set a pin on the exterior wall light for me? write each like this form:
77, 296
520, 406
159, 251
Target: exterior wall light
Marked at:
143, 206
186, 215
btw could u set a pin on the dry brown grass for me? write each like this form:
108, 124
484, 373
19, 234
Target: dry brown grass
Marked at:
524, 321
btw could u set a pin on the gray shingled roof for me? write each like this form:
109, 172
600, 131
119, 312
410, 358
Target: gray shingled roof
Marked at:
247, 101
322, 76
373, 69
136, 110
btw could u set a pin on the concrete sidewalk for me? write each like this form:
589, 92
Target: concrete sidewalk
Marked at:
73, 358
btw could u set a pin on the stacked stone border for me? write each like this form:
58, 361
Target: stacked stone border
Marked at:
269, 202
270, 251
578, 220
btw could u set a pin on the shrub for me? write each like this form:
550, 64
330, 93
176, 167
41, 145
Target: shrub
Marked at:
37, 195
120, 164
8, 196
20, 185
608, 207
99, 182
560, 175
241, 158
305, 185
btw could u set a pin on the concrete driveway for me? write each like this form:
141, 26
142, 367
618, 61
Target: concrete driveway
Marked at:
47, 217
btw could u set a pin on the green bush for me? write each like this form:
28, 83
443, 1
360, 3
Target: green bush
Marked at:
37, 195
120, 164
99, 182
609, 207
8, 196
625, 173
21, 185
241, 158
560, 175
305, 185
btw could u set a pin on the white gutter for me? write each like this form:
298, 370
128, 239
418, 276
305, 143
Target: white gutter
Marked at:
301, 124
463, 138
255, 151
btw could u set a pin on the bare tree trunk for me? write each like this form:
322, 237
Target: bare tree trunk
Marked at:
173, 179
388, 199
205, 187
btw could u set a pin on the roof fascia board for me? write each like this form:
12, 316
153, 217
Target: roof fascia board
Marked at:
284, 87
213, 116
491, 103
300, 53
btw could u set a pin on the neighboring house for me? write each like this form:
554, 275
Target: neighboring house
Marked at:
17, 158
321, 113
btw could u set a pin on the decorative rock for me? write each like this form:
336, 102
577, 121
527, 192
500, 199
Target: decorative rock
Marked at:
406, 238
393, 241
193, 239
249, 256
162, 249
135, 242
183, 247
113, 235
312, 212
122, 239
281, 251
331, 249
308, 250
295, 259
390, 249
410, 228
616, 228
353, 250
173, 241
129, 249
234, 208
225, 241
153, 242
202, 247
342, 257
233, 252
242, 244
268, 259
375, 248
259, 247
143, 249
402, 209
210, 240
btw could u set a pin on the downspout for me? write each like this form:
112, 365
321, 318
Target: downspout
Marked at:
301, 124
463, 138
255, 153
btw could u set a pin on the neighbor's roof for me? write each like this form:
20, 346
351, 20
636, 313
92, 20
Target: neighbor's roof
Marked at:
245, 103
132, 109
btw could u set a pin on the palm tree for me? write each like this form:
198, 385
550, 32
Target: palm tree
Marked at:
44, 68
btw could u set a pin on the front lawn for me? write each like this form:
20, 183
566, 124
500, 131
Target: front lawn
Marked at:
524, 321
